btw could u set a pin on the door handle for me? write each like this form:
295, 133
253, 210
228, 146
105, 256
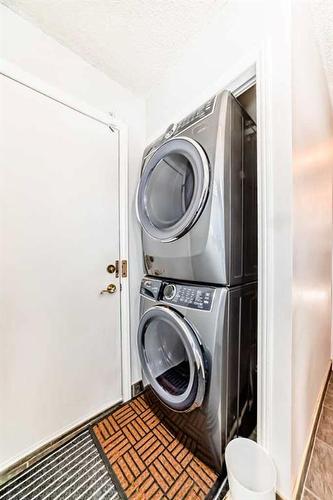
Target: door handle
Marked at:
109, 289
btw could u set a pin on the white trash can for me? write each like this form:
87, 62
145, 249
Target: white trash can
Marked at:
251, 471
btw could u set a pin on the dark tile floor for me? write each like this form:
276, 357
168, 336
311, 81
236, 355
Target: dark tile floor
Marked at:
319, 478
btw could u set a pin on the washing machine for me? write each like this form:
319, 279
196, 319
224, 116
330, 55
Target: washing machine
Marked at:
196, 346
197, 197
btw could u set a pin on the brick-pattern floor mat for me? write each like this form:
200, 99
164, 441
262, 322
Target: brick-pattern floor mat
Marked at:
147, 459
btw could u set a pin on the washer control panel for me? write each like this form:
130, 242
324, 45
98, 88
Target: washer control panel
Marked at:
195, 297
192, 296
151, 288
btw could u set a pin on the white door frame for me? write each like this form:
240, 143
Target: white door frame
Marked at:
256, 69
13, 72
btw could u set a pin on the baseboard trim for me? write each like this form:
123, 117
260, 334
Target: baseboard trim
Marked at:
30, 459
298, 488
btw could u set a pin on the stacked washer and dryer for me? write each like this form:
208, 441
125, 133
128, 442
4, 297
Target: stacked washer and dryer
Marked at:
197, 337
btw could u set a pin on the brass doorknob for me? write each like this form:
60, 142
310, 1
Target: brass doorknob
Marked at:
109, 289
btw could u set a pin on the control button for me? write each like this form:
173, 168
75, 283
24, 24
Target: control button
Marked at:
169, 292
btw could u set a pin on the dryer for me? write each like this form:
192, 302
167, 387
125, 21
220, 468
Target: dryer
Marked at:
196, 345
197, 197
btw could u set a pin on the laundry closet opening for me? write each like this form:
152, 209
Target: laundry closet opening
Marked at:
198, 211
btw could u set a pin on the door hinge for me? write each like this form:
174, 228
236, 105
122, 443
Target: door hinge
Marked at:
124, 268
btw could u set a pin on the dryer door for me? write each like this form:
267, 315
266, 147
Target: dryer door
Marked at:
173, 189
172, 358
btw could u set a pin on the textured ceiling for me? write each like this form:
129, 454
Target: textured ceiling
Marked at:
135, 42
322, 12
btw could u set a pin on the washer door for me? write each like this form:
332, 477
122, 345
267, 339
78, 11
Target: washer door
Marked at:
172, 358
173, 189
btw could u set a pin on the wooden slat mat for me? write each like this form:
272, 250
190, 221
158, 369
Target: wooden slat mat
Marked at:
146, 459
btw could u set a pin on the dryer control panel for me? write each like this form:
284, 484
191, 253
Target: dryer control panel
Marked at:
195, 297
204, 110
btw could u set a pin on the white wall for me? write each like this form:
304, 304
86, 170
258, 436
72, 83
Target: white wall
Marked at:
312, 228
30, 49
208, 65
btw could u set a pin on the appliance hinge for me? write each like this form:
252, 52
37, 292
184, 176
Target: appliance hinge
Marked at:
124, 268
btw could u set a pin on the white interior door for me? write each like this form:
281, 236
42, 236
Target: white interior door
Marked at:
60, 339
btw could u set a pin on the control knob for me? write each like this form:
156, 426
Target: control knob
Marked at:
169, 292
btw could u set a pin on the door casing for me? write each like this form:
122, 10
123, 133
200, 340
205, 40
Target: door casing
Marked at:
256, 70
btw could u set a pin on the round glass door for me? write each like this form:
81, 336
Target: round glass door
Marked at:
172, 358
173, 189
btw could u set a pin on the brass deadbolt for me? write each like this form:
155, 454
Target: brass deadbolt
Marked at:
111, 268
